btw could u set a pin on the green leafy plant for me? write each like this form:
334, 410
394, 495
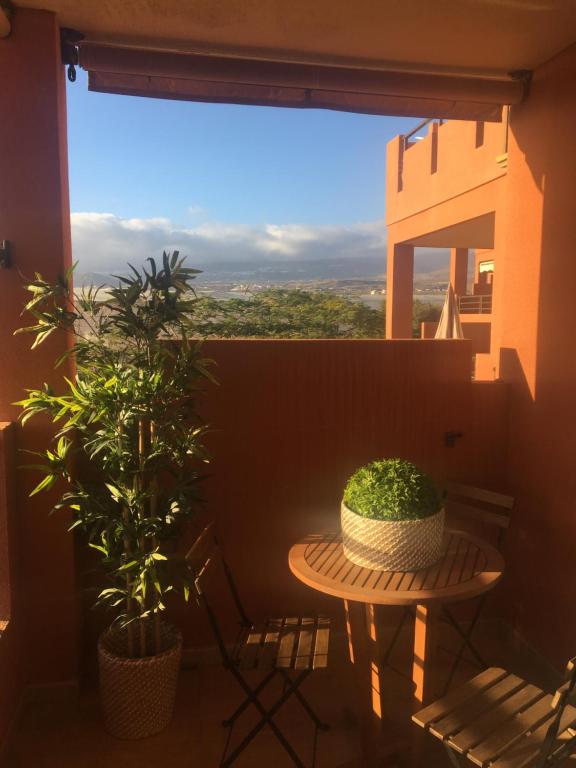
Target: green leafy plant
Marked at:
128, 441
392, 489
288, 314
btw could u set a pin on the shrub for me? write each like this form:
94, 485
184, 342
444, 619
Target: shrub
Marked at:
392, 489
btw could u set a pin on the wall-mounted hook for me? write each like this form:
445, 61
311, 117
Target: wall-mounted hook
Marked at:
69, 39
5, 255
451, 437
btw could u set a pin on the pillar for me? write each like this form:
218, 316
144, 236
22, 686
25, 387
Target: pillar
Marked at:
399, 291
459, 270
35, 218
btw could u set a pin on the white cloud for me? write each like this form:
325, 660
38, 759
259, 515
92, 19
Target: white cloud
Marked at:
197, 211
104, 241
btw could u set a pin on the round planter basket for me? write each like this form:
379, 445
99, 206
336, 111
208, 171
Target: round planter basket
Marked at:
392, 545
138, 695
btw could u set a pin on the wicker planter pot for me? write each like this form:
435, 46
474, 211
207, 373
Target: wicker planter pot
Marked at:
392, 545
137, 695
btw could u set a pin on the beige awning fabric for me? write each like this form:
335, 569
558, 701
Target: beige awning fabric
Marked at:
449, 326
201, 77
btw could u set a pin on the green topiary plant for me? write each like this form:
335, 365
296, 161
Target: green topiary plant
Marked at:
128, 420
392, 489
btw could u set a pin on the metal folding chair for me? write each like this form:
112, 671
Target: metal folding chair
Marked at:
489, 509
286, 648
499, 720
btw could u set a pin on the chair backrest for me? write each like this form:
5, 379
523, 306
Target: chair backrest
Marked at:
551, 752
204, 558
479, 504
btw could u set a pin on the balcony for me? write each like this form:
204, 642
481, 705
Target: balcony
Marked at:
292, 419
279, 464
440, 161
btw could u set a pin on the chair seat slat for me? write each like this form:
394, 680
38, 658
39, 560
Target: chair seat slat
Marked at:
288, 636
320, 660
430, 714
509, 733
477, 706
473, 734
303, 657
525, 751
267, 658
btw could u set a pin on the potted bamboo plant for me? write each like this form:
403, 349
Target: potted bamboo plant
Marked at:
392, 517
128, 445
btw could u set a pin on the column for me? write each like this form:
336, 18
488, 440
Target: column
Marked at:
35, 218
459, 270
399, 291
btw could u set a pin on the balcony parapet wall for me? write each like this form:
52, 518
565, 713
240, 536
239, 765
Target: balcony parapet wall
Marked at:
292, 419
452, 159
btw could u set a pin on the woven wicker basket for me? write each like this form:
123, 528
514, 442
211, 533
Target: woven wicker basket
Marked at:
392, 545
138, 694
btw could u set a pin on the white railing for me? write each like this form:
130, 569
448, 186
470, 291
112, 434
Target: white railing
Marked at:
475, 305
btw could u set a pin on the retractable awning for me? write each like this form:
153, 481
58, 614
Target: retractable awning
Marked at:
228, 79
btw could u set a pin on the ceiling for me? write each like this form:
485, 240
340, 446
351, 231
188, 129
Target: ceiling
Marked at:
473, 233
484, 36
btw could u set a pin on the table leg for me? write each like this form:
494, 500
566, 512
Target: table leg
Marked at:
424, 646
380, 744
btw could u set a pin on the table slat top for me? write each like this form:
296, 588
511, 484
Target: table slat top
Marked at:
468, 567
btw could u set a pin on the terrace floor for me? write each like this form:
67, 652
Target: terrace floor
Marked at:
72, 734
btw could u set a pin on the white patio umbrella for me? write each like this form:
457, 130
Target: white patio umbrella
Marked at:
449, 326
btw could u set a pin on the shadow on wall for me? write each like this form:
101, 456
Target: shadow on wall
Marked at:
539, 362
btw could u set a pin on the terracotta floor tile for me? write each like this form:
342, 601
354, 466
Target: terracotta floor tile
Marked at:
72, 735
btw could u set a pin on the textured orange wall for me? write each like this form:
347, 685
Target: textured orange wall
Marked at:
534, 337
293, 419
476, 329
479, 201
11, 630
34, 216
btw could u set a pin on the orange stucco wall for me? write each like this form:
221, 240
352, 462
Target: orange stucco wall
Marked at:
533, 325
34, 216
534, 341
480, 201
476, 329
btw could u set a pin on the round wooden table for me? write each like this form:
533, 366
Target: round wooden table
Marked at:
469, 567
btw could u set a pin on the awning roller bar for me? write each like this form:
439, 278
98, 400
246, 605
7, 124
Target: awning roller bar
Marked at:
201, 77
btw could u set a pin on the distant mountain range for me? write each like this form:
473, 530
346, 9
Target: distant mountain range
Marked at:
428, 268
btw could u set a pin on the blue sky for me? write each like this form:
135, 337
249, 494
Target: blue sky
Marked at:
222, 181
246, 165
